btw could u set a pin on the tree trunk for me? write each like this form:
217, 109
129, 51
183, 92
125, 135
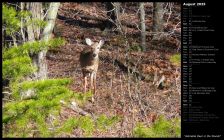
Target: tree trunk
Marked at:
158, 17
30, 33
14, 40
33, 33
37, 13
22, 6
110, 14
117, 7
51, 17
142, 20
3, 38
114, 14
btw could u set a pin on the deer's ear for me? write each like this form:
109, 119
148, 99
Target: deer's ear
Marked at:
89, 42
101, 43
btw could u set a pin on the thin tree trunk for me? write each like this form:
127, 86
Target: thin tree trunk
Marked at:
3, 38
51, 17
110, 14
35, 8
37, 13
117, 6
30, 33
14, 40
158, 17
21, 24
142, 20
33, 33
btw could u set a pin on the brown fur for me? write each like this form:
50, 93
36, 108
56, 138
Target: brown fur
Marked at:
89, 61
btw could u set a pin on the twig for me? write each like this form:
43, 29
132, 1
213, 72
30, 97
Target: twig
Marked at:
77, 109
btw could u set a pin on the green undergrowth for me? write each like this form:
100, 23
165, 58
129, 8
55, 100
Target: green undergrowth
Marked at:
38, 115
176, 59
104, 123
83, 98
12, 19
160, 128
87, 124
34, 111
135, 47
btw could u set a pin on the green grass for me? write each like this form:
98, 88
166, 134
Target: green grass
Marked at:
87, 124
135, 47
25, 114
21, 117
103, 122
176, 59
160, 128
82, 98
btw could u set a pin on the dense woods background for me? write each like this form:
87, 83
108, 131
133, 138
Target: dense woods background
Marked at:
138, 81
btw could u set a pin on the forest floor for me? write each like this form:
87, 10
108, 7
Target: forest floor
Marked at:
118, 92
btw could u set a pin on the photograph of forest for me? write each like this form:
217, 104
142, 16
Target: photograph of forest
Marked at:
91, 69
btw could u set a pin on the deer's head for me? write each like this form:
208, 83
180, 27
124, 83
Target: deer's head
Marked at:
95, 46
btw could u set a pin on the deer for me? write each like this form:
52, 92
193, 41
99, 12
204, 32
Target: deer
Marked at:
89, 61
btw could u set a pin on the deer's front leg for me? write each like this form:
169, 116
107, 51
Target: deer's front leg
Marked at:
94, 83
85, 83
91, 80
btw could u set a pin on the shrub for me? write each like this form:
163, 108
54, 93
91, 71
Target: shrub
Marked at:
160, 128
176, 59
103, 122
